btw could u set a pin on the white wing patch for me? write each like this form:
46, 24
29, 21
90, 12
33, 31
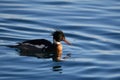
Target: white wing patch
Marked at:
37, 46
40, 46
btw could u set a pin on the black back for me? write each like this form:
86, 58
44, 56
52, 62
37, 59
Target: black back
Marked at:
38, 42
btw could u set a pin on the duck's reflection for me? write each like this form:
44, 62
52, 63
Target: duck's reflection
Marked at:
57, 68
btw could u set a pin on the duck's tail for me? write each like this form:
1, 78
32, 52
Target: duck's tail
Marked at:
11, 46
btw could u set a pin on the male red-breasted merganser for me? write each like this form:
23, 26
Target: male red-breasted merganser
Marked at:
44, 46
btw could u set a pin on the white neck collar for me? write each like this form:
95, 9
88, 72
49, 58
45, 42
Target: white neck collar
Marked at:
56, 42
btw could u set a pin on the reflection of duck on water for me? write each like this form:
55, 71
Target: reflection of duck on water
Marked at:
43, 48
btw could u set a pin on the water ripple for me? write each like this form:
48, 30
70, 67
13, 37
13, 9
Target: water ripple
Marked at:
91, 26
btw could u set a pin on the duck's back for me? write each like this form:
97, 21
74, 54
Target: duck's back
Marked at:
38, 42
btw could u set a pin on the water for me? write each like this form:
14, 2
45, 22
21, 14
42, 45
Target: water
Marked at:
92, 26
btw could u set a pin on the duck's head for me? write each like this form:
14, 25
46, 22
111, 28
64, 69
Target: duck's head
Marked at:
59, 36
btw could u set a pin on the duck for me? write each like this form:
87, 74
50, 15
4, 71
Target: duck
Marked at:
43, 47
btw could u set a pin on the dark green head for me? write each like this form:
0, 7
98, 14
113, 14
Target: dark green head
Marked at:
59, 36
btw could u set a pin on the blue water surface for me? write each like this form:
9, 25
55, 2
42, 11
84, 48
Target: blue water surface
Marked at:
92, 27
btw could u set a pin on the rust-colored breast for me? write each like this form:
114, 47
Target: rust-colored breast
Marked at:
59, 51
